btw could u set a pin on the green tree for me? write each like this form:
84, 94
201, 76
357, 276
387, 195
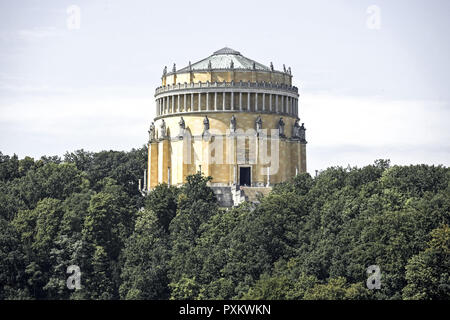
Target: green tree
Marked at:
428, 273
146, 254
162, 200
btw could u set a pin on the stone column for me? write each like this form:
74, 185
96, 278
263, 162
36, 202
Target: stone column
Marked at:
303, 158
215, 100
270, 103
166, 104
240, 101
172, 109
256, 101
248, 101
191, 107
184, 103
288, 105
199, 101
293, 106
152, 169
232, 100
163, 105
223, 100
276, 103
178, 105
264, 101
207, 101
163, 160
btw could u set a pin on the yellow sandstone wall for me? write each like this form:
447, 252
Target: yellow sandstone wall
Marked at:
167, 153
172, 152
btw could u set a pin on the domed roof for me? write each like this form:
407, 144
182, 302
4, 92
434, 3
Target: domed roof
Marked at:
225, 58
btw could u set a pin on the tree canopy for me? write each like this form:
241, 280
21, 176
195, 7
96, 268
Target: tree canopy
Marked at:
310, 238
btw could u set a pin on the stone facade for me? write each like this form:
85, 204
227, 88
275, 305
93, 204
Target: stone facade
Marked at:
238, 124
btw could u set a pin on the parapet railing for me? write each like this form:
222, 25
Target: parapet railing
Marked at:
235, 85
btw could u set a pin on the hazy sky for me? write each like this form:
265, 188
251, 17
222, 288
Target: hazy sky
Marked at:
373, 76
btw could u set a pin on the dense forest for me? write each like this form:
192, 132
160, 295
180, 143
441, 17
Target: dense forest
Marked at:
310, 238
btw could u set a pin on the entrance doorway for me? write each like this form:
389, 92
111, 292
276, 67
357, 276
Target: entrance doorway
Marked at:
244, 176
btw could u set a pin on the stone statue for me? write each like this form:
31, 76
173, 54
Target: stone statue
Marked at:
151, 132
254, 65
296, 130
258, 125
206, 124
182, 125
284, 68
289, 70
190, 66
163, 129
271, 66
233, 124
165, 71
174, 69
302, 136
209, 65
231, 64
281, 127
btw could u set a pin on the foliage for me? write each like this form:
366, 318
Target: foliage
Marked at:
310, 238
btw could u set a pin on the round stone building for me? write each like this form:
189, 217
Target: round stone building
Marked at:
231, 118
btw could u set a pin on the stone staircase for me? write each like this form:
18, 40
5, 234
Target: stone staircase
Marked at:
224, 196
252, 194
234, 195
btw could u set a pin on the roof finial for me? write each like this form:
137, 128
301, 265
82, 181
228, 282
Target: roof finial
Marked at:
174, 69
284, 68
271, 66
289, 71
190, 66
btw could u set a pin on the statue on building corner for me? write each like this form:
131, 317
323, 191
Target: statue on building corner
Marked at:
258, 125
231, 64
206, 135
151, 132
271, 66
163, 129
296, 130
281, 128
165, 71
302, 133
182, 125
233, 124
206, 124
174, 69
209, 65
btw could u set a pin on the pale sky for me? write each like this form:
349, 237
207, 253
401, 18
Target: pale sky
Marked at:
373, 76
